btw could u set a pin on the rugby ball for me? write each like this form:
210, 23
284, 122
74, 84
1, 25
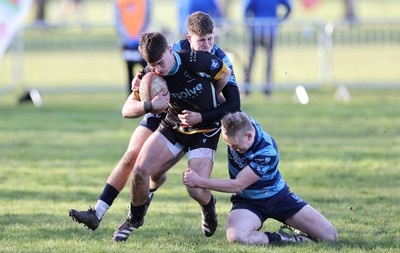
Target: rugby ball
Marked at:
150, 85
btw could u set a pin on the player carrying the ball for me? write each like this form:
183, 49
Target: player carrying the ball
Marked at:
200, 37
195, 79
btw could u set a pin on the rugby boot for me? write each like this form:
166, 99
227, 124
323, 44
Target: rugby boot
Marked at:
88, 218
286, 237
290, 230
209, 220
132, 222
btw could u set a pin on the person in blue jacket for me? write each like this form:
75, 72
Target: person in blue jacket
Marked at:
262, 19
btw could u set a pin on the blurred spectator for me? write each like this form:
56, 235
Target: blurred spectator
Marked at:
349, 10
262, 18
187, 7
132, 17
40, 14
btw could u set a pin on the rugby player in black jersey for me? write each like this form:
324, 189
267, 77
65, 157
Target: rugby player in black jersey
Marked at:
194, 79
200, 37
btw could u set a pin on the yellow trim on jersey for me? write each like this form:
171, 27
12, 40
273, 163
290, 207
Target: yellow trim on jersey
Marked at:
223, 70
195, 131
136, 94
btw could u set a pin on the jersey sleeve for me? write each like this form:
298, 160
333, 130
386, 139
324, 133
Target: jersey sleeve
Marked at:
264, 161
222, 55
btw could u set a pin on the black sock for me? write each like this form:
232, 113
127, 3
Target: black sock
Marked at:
273, 237
109, 194
137, 212
209, 205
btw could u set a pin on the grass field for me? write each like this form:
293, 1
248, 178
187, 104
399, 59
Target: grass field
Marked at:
343, 158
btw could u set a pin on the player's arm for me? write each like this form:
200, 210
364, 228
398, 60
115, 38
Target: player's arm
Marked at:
222, 78
243, 180
231, 104
134, 108
231, 95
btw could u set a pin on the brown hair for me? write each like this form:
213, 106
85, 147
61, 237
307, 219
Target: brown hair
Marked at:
152, 46
200, 23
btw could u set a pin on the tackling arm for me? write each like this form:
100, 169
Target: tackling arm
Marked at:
244, 179
232, 104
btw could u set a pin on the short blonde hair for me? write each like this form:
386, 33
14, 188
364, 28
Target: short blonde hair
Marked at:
235, 125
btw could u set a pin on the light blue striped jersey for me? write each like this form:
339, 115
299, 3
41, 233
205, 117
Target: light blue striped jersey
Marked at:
263, 159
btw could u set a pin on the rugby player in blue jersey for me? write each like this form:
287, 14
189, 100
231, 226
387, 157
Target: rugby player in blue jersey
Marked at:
200, 37
195, 79
259, 189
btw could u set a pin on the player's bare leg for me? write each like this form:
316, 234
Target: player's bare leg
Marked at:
203, 166
160, 177
313, 223
242, 227
148, 163
115, 182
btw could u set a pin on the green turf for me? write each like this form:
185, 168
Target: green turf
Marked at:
343, 158
340, 157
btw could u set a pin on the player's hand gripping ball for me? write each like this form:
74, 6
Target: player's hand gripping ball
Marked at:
150, 85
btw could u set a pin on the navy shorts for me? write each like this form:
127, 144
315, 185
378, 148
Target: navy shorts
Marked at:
152, 121
280, 206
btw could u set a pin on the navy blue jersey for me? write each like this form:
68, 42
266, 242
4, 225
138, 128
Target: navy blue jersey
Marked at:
185, 45
191, 83
263, 159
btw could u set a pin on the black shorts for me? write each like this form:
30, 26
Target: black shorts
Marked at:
281, 206
152, 121
190, 141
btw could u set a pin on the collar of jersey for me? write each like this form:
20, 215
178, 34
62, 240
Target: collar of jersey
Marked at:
178, 62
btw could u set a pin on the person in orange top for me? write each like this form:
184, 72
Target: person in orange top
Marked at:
132, 17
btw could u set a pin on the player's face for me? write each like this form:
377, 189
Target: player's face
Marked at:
241, 144
201, 43
165, 64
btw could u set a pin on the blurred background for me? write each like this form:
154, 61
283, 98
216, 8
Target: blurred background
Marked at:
72, 46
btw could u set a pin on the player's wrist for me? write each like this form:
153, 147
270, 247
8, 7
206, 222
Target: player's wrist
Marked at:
147, 106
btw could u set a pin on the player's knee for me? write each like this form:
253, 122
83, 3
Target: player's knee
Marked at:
139, 174
330, 234
234, 236
129, 159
